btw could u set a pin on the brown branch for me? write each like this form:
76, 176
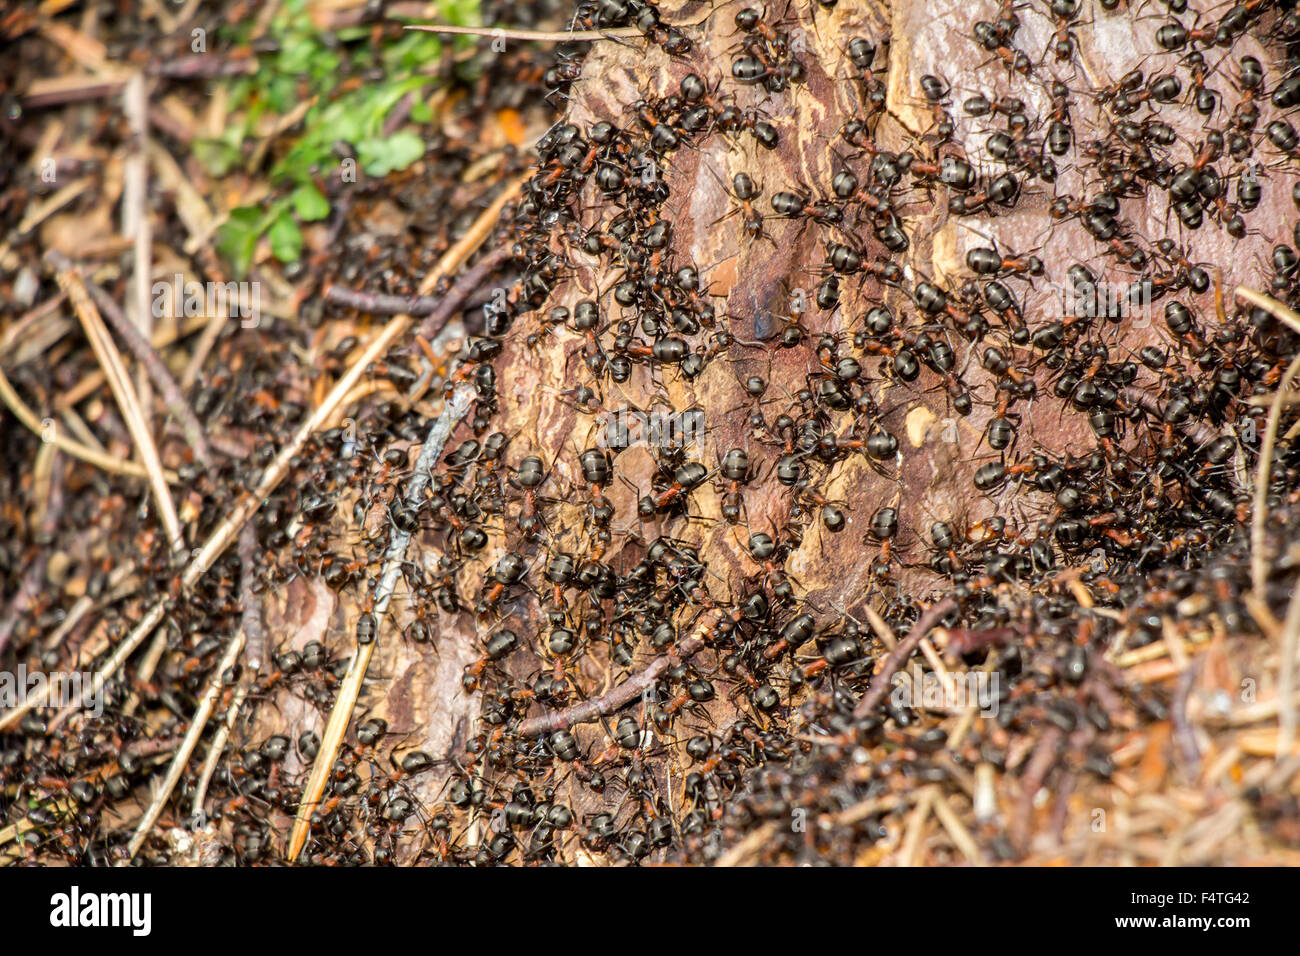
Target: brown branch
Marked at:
436, 310
626, 692
202, 66
1040, 765
1184, 732
56, 91
899, 655
462, 289
106, 352
1199, 432
376, 303
254, 632
146, 355
961, 641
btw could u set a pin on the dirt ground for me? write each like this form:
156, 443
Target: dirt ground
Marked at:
1047, 623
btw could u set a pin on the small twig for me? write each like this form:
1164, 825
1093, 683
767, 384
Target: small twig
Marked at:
916, 826
452, 413
48, 207
254, 632
71, 88
1184, 733
880, 626
375, 303
109, 359
1040, 764
540, 36
202, 66
144, 672
217, 747
201, 349
153, 364
556, 36
1286, 679
137, 225
85, 603
76, 449
899, 655
626, 692
749, 847
956, 831
341, 713
77, 425
887, 803
461, 290
94, 379
1258, 544
20, 330
182, 755
1287, 316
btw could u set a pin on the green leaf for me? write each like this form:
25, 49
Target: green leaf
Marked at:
340, 120
296, 52
282, 94
237, 238
380, 99
286, 239
461, 12
412, 51
379, 157
221, 153
215, 156
298, 163
309, 203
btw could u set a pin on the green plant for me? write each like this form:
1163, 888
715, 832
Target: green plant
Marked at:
315, 63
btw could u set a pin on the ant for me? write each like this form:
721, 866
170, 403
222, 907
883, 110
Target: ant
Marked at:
737, 471
1064, 42
745, 192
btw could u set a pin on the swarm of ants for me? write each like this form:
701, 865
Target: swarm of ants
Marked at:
955, 520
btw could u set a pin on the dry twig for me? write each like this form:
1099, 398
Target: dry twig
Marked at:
111, 361
1258, 546
139, 345
452, 413
76, 449
899, 655
182, 755
629, 690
